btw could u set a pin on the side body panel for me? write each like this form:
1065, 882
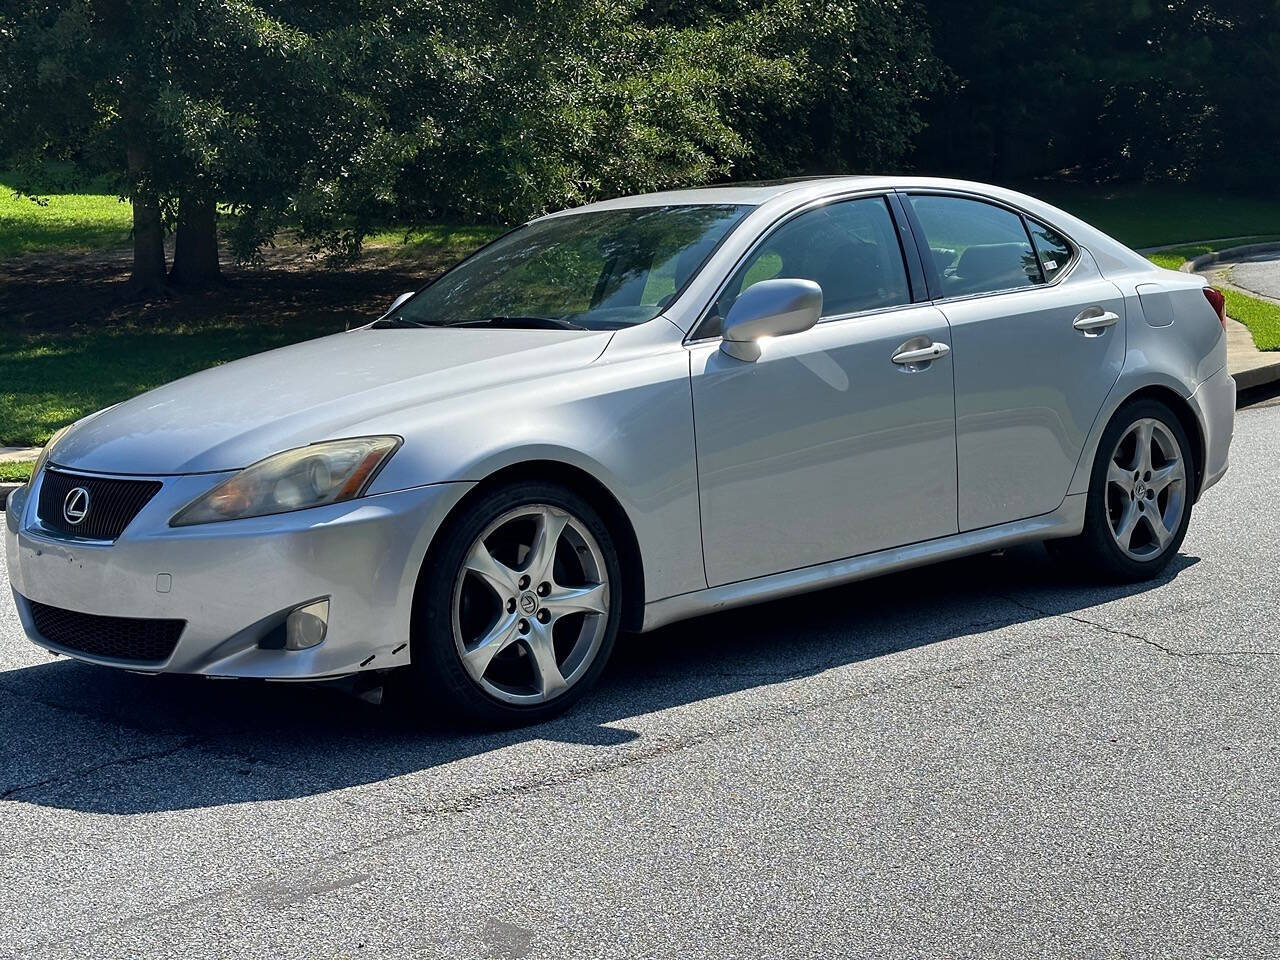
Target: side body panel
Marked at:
1028, 388
824, 447
626, 419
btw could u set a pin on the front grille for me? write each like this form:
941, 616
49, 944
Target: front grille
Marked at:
113, 502
115, 638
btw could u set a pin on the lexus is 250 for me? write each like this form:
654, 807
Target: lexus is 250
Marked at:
622, 415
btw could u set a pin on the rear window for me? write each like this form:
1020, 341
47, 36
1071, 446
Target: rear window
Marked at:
976, 247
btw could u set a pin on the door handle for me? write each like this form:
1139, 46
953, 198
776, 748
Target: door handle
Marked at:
922, 354
1095, 319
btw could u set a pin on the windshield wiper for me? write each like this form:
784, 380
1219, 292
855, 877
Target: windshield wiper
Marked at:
387, 323
521, 323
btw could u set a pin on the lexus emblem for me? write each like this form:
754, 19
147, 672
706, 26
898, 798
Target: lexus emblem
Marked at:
76, 507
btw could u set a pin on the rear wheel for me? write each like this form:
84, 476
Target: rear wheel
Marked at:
517, 610
1139, 500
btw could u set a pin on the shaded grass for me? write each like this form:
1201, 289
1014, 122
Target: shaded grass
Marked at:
437, 242
1151, 215
48, 380
16, 471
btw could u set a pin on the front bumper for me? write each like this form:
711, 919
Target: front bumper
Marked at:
233, 582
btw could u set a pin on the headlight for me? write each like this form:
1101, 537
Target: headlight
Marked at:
48, 448
294, 480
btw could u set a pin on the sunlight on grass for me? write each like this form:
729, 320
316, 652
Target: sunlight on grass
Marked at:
16, 471
68, 221
1260, 316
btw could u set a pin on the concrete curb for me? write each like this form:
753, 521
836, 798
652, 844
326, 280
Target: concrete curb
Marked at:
1230, 253
5, 490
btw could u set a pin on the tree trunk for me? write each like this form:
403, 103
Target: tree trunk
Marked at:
195, 248
148, 230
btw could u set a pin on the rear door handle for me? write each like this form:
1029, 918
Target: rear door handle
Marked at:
1095, 319
922, 354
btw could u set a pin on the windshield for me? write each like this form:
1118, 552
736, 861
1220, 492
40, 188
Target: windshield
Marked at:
595, 271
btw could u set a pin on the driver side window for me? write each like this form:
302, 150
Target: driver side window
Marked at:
849, 248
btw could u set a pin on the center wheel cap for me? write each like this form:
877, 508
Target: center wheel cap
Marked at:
528, 604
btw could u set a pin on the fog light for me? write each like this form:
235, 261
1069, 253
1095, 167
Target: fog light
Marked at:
307, 626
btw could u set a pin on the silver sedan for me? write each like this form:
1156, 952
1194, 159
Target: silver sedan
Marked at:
630, 413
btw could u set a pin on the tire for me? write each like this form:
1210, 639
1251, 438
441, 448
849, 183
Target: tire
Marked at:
1128, 495
466, 599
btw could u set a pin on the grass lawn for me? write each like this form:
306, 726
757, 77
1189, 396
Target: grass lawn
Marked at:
18, 471
1152, 215
61, 221
50, 379
1262, 317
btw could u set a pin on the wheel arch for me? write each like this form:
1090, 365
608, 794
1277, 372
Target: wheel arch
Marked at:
1186, 415
585, 485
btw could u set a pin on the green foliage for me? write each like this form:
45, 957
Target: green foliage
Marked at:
1098, 90
16, 471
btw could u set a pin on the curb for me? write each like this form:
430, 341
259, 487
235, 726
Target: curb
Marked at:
5, 490
1230, 253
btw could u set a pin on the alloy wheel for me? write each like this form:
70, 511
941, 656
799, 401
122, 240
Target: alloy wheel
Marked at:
1146, 489
531, 604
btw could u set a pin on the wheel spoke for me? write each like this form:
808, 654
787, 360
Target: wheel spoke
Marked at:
500, 577
1128, 523
1120, 476
1169, 473
542, 556
541, 645
1159, 531
500, 635
1144, 437
566, 600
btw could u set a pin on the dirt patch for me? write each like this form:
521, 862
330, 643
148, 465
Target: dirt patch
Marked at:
43, 293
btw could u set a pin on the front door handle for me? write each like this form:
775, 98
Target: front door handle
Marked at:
922, 354
1095, 320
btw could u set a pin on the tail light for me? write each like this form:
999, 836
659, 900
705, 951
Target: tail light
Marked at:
1219, 304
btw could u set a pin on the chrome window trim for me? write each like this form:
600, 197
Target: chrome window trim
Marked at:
781, 220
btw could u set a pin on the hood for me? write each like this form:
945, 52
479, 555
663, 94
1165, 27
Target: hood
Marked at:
232, 415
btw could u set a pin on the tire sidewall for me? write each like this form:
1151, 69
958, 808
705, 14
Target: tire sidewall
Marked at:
435, 663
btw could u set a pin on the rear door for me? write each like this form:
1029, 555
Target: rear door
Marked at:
1038, 342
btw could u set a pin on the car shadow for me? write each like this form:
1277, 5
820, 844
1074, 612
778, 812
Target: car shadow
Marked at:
122, 743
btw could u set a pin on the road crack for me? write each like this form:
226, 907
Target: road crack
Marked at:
1211, 655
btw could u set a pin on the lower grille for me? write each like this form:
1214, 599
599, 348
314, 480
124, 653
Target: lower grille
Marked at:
105, 506
114, 638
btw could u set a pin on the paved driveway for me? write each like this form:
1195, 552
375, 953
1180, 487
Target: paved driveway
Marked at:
972, 760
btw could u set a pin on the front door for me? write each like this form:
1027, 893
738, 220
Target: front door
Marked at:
826, 446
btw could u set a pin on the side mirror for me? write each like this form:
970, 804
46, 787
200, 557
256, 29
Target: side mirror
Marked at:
771, 308
396, 303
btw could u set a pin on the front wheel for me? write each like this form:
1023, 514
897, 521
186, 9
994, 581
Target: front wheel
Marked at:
518, 607
1139, 500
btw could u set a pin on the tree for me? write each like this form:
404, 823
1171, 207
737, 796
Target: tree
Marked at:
189, 105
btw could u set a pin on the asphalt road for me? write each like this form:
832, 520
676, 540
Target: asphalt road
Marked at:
1259, 274
980, 759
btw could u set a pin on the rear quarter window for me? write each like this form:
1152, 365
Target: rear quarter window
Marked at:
1054, 250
